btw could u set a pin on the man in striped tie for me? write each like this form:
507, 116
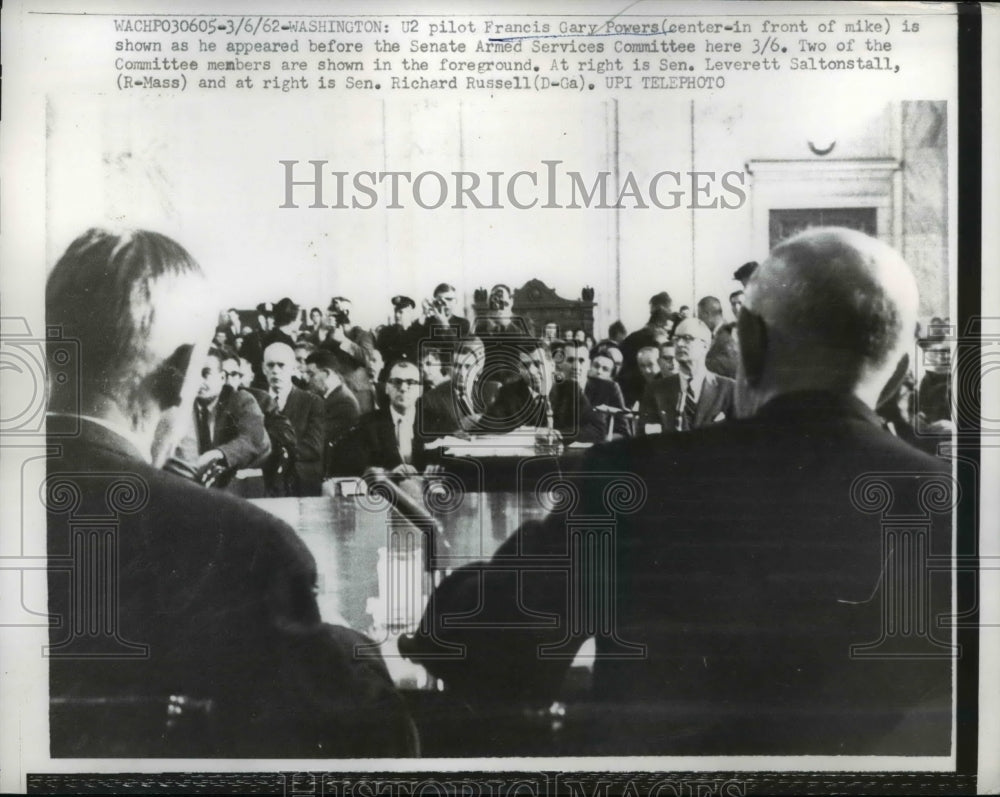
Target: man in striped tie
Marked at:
693, 396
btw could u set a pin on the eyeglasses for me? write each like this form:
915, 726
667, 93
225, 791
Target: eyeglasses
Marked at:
685, 338
399, 384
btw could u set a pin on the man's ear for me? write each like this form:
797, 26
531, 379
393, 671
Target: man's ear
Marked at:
165, 384
753, 345
891, 388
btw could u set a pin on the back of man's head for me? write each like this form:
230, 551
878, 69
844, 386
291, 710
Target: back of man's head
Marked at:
830, 309
134, 301
285, 312
661, 299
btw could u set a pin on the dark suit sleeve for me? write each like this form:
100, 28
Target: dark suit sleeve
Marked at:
485, 623
728, 397
342, 413
250, 444
309, 445
505, 630
370, 443
501, 415
346, 457
616, 399
647, 409
592, 428
315, 696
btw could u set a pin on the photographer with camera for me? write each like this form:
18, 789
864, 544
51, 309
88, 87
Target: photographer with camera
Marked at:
440, 322
355, 348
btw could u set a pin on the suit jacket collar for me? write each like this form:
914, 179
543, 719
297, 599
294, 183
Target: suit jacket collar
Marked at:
815, 404
294, 396
707, 379
96, 432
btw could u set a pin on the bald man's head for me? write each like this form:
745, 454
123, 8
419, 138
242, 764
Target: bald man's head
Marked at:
830, 309
279, 366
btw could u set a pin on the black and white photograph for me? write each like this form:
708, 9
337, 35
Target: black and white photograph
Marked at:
498, 399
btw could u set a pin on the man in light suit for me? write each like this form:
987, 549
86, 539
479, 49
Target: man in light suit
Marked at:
304, 409
200, 595
694, 396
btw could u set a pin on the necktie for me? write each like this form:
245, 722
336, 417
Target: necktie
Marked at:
690, 405
204, 432
404, 446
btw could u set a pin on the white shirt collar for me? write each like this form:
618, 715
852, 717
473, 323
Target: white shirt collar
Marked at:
397, 416
697, 382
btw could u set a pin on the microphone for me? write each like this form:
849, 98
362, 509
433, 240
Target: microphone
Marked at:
380, 482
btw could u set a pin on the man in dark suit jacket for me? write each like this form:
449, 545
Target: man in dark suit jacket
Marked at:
400, 339
387, 437
745, 579
278, 469
440, 322
537, 399
340, 407
457, 403
304, 409
227, 424
656, 331
204, 604
602, 391
693, 397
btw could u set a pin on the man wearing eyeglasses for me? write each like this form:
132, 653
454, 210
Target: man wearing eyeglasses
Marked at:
227, 425
387, 437
692, 397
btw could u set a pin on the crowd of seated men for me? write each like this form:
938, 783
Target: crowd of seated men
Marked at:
331, 399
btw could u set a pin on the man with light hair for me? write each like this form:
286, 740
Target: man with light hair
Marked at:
305, 411
723, 353
751, 601
831, 310
693, 396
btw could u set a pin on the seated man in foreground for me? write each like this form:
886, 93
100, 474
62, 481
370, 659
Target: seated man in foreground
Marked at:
201, 595
734, 576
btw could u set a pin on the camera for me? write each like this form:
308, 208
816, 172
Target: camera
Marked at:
340, 311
